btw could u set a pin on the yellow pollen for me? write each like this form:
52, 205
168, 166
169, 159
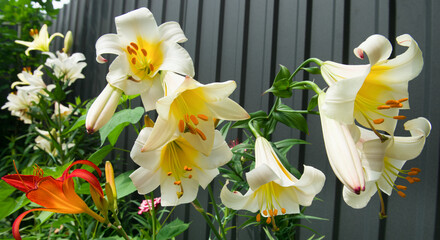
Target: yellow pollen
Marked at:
203, 117
403, 100
190, 176
258, 217
383, 107
270, 212
401, 187
413, 173
416, 169
194, 119
265, 212
402, 194
416, 179
144, 52
134, 45
181, 126
201, 134
133, 61
268, 220
410, 180
275, 212
400, 117
283, 210
378, 121
390, 102
177, 182
169, 173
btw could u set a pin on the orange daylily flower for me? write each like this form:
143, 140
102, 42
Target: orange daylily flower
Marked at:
55, 195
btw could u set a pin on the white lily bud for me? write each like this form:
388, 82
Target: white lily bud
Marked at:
103, 108
68, 42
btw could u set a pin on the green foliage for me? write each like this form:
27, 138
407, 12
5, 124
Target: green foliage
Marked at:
118, 122
172, 229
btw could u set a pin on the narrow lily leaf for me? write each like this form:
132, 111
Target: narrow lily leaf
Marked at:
313, 103
98, 156
244, 123
121, 119
79, 123
225, 129
11, 205
286, 144
172, 229
124, 185
290, 118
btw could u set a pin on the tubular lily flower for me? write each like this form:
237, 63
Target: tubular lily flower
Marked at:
339, 139
102, 108
274, 190
383, 163
55, 195
177, 167
143, 50
67, 68
373, 93
41, 40
189, 108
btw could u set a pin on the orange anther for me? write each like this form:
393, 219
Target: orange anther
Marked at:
133, 61
413, 173
134, 45
169, 173
265, 212
378, 121
258, 217
189, 169
402, 194
185, 168
129, 50
203, 117
190, 176
181, 126
191, 129
270, 212
201, 134
410, 179
152, 67
416, 179
275, 212
383, 107
400, 117
177, 182
194, 119
403, 100
389, 102
416, 169
401, 187
283, 210
144, 52
268, 220
399, 105
186, 118
32, 32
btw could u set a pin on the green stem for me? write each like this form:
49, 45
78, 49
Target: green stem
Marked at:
200, 209
153, 216
121, 149
275, 105
217, 215
310, 60
254, 131
169, 214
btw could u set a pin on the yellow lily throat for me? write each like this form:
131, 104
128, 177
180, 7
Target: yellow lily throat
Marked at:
269, 194
176, 157
144, 58
189, 124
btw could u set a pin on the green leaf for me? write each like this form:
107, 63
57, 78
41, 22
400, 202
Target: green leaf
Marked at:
313, 103
172, 229
244, 123
98, 156
285, 145
121, 119
11, 205
290, 118
313, 70
81, 121
124, 185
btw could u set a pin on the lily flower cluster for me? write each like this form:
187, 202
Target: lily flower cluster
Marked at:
364, 158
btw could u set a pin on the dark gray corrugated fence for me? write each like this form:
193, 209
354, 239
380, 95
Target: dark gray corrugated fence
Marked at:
245, 40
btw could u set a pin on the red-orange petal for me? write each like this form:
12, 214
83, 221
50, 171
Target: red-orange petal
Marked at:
21, 182
84, 162
89, 177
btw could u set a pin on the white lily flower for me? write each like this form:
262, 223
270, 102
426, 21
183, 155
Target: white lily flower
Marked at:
45, 143
339, 139
19, 103
274, 190
41, 40
66, 67
143, 50
102, 108
61, 111
190, 107
177, 167
383, 162
372, 93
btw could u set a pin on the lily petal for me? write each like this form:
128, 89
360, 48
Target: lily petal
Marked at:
108, 43
145, 180
171, 31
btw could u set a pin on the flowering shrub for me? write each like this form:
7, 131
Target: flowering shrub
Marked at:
185, 147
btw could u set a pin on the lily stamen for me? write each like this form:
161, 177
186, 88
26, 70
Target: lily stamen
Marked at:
402, 100
378, 121
400, 117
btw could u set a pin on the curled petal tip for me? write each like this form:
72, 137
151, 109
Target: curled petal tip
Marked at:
101, 59
90, 130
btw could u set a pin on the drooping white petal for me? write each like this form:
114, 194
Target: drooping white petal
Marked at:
138, 22
160, 135
220, 154
218, 90
148, 159
227, 109
108, 43
177, 59
260, 175
372, 155
168, 192
237, 201
205, 176
377, 48
171, 31
309, 185
145, 180
150, 97
361, 200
